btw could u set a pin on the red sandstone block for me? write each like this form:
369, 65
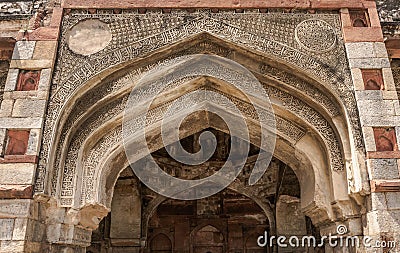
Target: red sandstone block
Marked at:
44, 33
17, 142
373, 79
6, 48
56, 17
394, 53
19, 159
383, 154
374, 17
362, 34
28, 80
385, 139
298, 4
336, 4
385, 185
393, 47
16, 191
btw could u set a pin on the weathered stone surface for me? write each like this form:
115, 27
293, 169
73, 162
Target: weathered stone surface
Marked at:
383, 169
369, 63
388, 79
359, 50
6, 229
21, 173
31, 64
302, 4
393, 200
360, 34
23, 50
2, 140
16, 191
17, 142
28, 108
19, 159
21, 123
388, 10
6, 107
89, 36
20, 229
45, 50
377, 121
33, 142
376, 107
12, 246
389, 95
357, 77
44, 82
11, 208
44, 34
12, 79
385, 185
367, 95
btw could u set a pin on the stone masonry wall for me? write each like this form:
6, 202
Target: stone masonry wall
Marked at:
25, 225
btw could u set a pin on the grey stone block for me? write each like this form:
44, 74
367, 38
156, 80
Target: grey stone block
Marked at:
362, 95
377, 201
21, 123
11, 208
6, 229
393, 200
369, 63
360, 50
383, 169
376, 107
23, 50
29, 108
44, 82
12, 78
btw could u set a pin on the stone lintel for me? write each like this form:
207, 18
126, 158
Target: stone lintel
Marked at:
383, 154
19, 159
385, 185
230, 4
16, 191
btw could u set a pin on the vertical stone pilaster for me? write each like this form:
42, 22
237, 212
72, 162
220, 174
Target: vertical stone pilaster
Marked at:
22, 115
379, 112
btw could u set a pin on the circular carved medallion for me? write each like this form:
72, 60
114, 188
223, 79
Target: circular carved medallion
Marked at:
89, 36
315, 35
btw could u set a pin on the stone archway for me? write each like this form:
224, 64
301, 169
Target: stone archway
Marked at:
86, 159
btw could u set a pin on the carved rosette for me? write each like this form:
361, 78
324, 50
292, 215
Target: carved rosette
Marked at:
316, 35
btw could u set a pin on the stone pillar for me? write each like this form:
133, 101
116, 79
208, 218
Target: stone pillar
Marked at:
125, 227
379, 112
291, 221
68, 229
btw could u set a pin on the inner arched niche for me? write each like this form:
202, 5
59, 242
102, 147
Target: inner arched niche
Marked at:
232, 219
